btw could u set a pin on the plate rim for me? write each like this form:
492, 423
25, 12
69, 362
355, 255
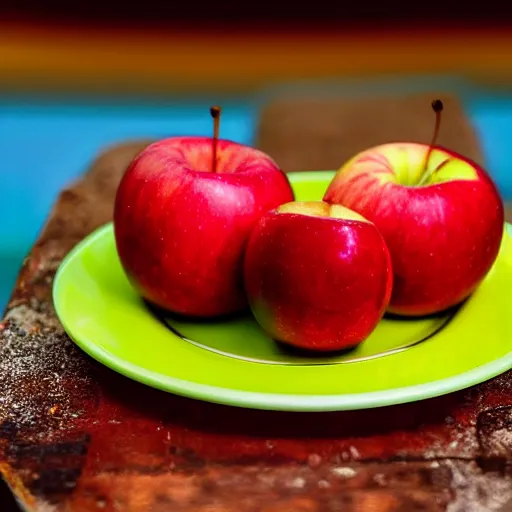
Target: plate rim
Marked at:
265, 400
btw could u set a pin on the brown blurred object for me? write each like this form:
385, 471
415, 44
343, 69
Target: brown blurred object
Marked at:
316, 132
242, 57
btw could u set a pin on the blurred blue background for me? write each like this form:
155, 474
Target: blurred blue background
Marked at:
47, 143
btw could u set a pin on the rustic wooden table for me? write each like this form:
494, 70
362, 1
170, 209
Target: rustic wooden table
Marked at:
76, 436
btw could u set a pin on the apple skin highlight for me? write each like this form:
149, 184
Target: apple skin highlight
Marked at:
317, 279
443, 228
181, 230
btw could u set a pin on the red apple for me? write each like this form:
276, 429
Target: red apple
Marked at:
181, 229
318, 277
443, 225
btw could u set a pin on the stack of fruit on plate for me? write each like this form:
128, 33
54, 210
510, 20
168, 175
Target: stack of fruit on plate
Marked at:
207, 228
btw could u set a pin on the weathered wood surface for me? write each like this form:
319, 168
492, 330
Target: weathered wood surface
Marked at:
75, 436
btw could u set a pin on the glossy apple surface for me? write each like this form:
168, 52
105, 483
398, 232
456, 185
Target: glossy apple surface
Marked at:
181, 229
318, 277
443, 226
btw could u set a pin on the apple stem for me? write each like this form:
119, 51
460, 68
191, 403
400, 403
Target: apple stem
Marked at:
437, 107
215, 113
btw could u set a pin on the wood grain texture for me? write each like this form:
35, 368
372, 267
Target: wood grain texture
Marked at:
76, 436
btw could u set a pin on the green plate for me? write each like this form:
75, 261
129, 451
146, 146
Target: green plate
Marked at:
234, 362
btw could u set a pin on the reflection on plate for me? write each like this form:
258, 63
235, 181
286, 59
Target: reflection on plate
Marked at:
242, 338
